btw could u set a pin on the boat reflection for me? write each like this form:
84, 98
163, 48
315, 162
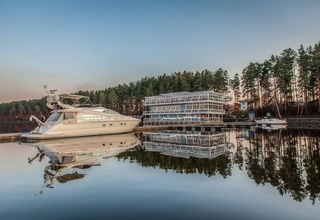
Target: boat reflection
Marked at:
272, 127
70, 159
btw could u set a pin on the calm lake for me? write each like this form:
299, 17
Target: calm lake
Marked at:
255, 174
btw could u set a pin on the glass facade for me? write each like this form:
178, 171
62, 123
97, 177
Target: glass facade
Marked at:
183, 108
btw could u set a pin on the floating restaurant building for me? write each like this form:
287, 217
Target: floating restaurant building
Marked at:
199, 108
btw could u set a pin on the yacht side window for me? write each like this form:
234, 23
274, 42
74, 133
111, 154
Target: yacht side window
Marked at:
54, 117
68, 115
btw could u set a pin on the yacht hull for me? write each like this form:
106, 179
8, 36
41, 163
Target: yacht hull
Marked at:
66, 130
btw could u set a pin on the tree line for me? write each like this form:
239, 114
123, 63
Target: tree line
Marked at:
285, 85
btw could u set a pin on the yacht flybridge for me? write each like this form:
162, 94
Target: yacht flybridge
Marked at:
75, 116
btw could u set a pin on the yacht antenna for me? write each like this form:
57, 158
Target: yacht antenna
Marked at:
45, 88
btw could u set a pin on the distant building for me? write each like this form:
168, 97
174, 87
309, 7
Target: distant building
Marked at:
179, 108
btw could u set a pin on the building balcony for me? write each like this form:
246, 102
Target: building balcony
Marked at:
184, 97
186, 111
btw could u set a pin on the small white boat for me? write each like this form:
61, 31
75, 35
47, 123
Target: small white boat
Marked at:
78, 119
272, 121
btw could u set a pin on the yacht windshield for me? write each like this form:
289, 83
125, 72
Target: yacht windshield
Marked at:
109, 111
54, 117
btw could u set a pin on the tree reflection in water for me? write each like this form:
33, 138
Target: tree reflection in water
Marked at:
286, 159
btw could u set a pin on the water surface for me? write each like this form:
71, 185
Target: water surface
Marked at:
260, 175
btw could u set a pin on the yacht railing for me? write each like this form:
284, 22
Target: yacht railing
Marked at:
104, 118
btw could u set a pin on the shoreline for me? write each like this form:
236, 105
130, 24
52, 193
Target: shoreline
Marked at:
303, 123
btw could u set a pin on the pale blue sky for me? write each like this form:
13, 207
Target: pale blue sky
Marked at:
94, 44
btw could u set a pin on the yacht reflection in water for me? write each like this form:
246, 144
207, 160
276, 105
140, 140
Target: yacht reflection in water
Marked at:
272, 127
70, 159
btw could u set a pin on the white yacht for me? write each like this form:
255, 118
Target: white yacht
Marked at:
78, 119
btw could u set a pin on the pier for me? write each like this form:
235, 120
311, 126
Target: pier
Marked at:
10, 137
306, 123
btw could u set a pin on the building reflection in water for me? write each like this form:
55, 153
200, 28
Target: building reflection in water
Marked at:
187, 144
184, 152
70, 159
